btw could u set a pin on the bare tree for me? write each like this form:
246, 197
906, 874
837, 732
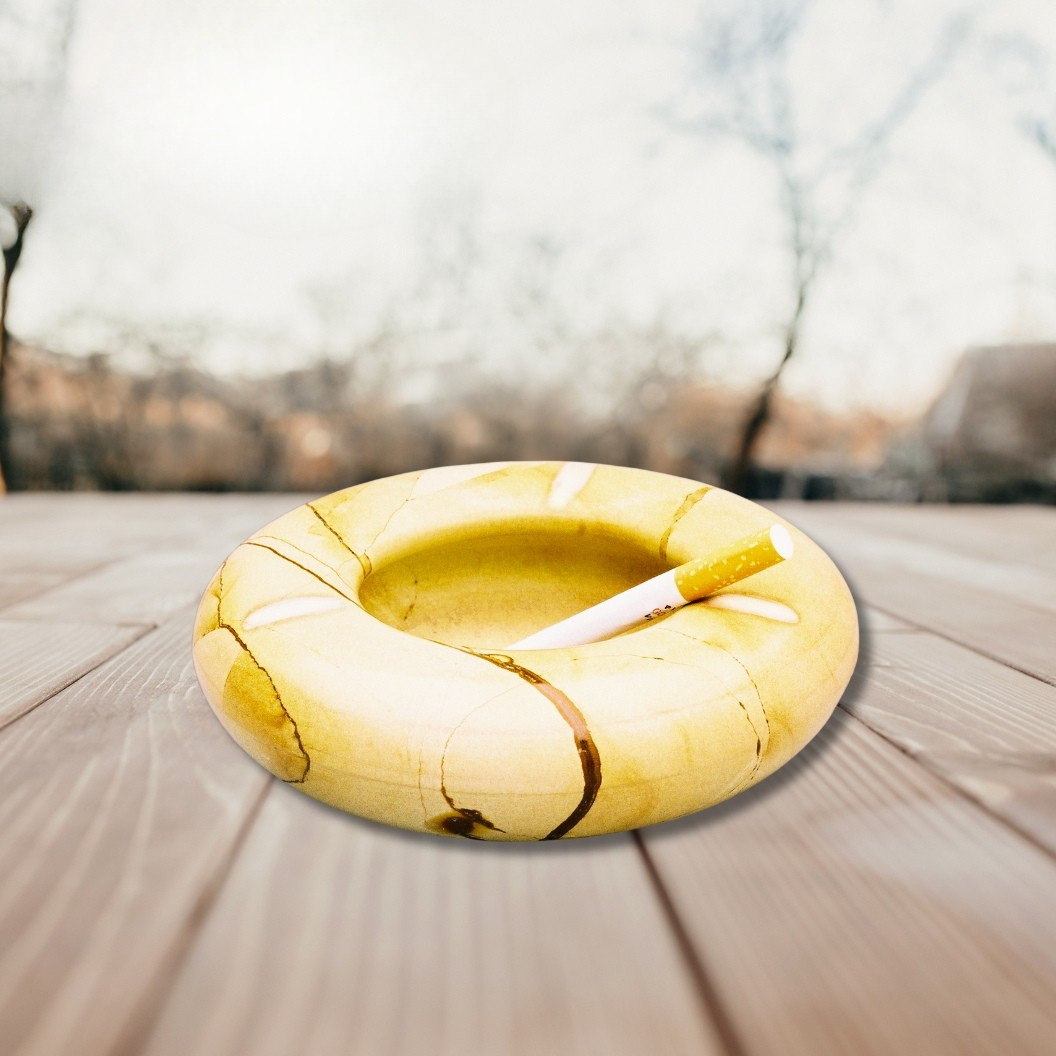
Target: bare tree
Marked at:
1044, 134
20, 215
1040, 128
744, 59
1023, 70
34, 49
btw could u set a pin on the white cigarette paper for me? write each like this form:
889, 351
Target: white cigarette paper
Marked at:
669, 590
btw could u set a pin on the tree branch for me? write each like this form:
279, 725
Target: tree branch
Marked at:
21, 214
746, 55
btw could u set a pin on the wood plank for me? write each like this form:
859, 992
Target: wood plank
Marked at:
145, 588
36, 661
876, 621
75, 532
916, 583
121, 515
986, 728
121, 801
855, 903
336, 935
50, 541
17, 586
1008, 572
162, 552
1026, 534
161, 564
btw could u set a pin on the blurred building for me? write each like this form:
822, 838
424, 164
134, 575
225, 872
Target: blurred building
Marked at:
991, 433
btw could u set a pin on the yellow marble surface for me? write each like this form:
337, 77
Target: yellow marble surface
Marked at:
356, 648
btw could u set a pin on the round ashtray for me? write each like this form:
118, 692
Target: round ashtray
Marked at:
358, 648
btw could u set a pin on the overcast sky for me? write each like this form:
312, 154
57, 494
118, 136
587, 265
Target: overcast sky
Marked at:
298, 176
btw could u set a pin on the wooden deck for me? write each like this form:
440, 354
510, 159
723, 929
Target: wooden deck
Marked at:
892, 891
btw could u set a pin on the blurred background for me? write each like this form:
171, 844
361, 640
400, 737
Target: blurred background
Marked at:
804, 248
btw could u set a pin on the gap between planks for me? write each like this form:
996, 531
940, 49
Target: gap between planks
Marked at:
969, 642
711, 1003
144, 1015
49, 663
975, 722
121, 800
853, 902
337, 934
62, 581
921, 760
1005, 625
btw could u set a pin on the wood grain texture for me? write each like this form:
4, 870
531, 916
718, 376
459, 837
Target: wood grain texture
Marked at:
335, 935
35, 666
145, 588
1008, 568
78, 531
120, 800
876, 621
988, 729
157, 556
1006, 611
999, 534
857, 904
891, 891
16, 586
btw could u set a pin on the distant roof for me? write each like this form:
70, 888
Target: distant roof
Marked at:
999, 410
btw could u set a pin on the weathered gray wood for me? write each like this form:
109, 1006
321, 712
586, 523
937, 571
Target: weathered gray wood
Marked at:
986, 728
17, 586
36, 663
335, 935
1011, 618
76, 532
121, 800
891, 891
145, 588
1025, 535
857, 904
875, 621
1004, 567
157, 564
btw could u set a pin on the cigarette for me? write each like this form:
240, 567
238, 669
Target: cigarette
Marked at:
669, 590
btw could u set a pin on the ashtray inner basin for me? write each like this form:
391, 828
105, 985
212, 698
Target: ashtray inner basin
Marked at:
488, 590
